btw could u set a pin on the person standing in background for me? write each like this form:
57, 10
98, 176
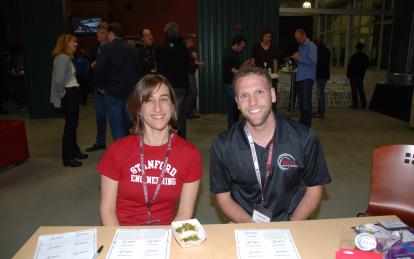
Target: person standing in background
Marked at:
357, 66
118, 69
231, 65
82, 68
172, 62
264, 54
64, 93
305, 59
99, 91
323, 73
148, 52
192, 86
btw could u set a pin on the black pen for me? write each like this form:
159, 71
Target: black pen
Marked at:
98, 252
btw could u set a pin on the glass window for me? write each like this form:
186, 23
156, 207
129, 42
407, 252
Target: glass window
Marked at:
341, 36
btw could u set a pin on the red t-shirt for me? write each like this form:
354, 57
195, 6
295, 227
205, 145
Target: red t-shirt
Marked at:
121, 163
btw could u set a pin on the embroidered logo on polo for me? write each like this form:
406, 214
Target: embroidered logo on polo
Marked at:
286, 161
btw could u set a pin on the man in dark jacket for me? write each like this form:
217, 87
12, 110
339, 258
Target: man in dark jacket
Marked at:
323, 74
357, 66
172, 62
231, 66
99, 97
118, 69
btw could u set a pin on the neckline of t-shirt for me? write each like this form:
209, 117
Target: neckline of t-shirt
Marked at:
149, 147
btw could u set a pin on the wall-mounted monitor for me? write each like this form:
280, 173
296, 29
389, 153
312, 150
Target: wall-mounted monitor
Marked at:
85, 24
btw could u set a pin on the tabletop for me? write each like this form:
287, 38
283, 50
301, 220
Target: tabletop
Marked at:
316, 239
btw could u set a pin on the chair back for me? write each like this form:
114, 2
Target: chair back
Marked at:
392, 182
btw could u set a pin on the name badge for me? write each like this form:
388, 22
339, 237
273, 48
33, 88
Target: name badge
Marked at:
261, 215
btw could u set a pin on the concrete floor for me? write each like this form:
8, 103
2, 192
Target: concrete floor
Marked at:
41, 192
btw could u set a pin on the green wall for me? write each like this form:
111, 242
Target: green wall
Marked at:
41, 22
217, 26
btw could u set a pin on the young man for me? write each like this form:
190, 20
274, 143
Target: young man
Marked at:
358, 65
118, 68
231, 65
99, 98
305, 59
148, 52
172, 62
323, 73
266, 167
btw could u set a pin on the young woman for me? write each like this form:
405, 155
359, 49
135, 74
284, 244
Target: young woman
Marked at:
65, 94
264, 54
147, 172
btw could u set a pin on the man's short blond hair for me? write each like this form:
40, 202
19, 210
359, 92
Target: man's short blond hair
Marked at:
247, 70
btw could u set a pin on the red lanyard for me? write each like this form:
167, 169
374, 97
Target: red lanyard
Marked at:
256, 163
144, 177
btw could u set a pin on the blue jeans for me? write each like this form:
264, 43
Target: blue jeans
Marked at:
100, 110
320, 87
180, 93
118, 116
304, 94
232, 110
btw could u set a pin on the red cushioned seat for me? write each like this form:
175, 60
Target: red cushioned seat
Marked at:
13, 143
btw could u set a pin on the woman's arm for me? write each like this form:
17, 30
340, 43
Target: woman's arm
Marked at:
109, 190
61, 65
187, 200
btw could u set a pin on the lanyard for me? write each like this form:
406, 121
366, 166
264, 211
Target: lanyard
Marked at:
256, 163
144, 177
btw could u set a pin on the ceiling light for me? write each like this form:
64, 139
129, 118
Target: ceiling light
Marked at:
306, 4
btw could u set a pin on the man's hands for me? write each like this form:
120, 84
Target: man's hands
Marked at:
295, 56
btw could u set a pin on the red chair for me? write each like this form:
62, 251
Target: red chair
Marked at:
13, 143
392, 183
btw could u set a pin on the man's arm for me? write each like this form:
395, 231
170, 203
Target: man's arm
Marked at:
227, 62
92, 56
101, 70
311, 58
366, 62
232, 209
220, 183
309, 203
274, 66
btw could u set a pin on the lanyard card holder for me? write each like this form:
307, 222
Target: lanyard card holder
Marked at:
261, 214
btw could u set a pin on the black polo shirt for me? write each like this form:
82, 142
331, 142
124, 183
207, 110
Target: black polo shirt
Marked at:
297, 162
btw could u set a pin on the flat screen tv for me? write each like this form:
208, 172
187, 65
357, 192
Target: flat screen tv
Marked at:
85, 24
